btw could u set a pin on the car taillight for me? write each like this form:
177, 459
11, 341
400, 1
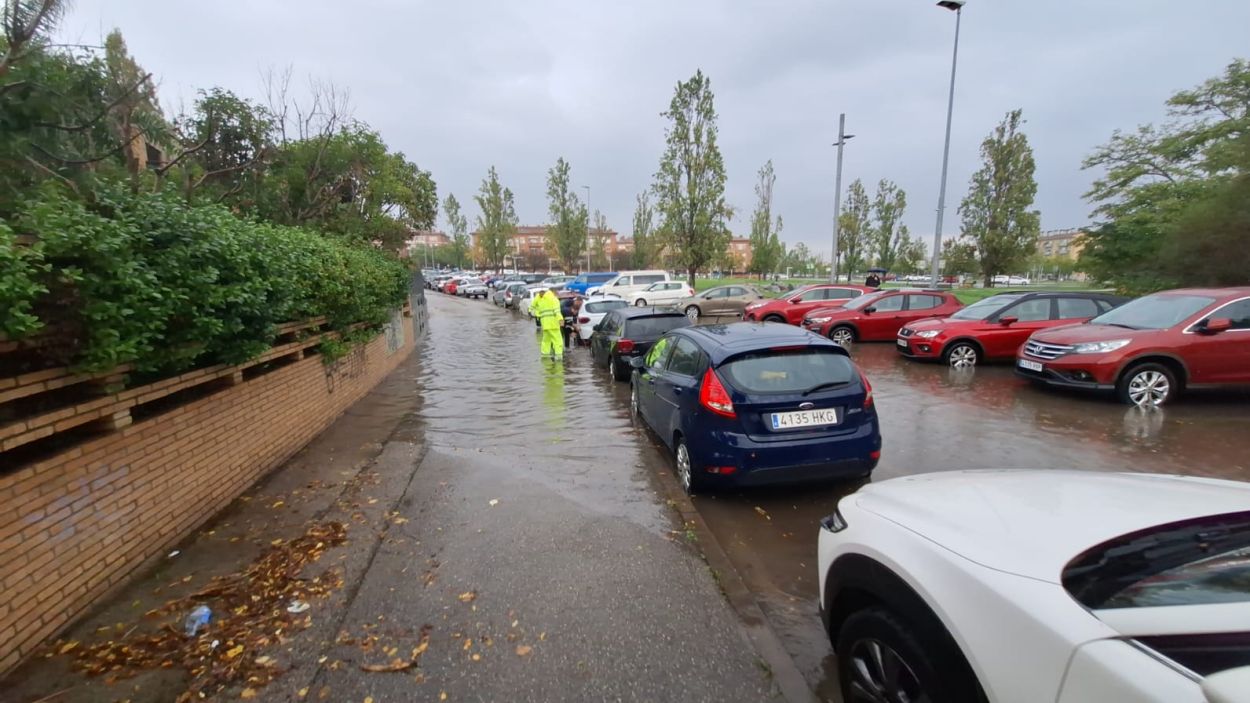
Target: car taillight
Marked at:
583, 320
712, 395
867, 390
625, 346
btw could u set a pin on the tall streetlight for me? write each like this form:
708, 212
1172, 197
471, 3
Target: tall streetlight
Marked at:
958, 7
837, 198
587, 228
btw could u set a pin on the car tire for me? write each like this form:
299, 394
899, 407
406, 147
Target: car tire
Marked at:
880, 653
961, 355
1148, 384
640, 303
775, 318
693, 313
620, 372
635, 410
842, 335
683, 465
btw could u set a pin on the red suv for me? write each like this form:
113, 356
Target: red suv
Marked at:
1150, 349
877, 317
792, 306
996, 327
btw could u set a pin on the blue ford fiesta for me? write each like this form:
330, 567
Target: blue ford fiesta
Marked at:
756, 403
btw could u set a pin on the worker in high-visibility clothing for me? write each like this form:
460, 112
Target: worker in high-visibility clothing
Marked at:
547, 309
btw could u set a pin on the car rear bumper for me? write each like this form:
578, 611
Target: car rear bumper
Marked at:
847, 455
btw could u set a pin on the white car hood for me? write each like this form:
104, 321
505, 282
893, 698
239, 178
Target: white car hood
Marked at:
1032, 523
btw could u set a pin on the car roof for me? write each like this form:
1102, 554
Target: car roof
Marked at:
1219, 293
1034, 522
724, 341
648, 311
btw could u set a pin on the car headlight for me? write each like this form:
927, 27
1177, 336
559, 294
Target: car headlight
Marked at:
928, 334
1100, 347
819, 320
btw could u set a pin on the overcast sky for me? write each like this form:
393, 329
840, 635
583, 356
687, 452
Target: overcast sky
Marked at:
458, 86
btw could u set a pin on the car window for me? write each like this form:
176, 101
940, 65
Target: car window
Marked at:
649, 278
889, 303
1238, 312
923, 302
604, 306
685, 359
1075, 308
608, 325
841, 293
1103, 306
654, 326
654, 360
716, 293
1033, 310
735, 292
786, 371
622, 281
984, 308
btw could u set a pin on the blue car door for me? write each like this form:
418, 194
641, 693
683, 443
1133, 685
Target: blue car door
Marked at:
648, 375
677, 389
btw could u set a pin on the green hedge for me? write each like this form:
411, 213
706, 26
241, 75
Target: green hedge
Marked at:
148, 280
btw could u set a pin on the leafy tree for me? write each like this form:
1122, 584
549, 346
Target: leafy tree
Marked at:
854, 234
644, 235
599, 242
566, 235
26, 22
497, 222
765, 234
458, 224
911, 253
959, 257
996, 212
887, 229
690, 185
226, 143
799, 258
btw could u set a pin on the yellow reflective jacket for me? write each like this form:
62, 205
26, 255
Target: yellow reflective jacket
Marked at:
548, 312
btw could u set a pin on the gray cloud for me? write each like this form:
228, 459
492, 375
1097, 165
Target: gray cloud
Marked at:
461, 86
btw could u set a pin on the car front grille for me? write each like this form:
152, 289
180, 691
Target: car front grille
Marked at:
1041, 350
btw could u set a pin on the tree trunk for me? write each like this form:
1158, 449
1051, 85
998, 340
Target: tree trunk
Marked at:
692, 272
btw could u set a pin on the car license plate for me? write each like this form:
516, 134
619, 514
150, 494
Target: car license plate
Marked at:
902, 343
1030, 365
805, 418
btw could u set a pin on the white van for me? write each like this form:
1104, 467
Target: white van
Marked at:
627, 283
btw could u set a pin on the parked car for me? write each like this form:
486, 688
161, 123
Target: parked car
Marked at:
473, 289
513, 293
629, 284
721, 300
593, 312
1005, 280
585, 281
627, 333
505, 281
749, 404
1149, 350
499, 297
1039, 586
791, 307
663, 293
877, 317
522, 303
995, 328
554, 281
451, 286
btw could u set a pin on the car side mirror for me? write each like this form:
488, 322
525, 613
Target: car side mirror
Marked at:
1216, 325
870, 310
636, 362
795, 301
1009, 320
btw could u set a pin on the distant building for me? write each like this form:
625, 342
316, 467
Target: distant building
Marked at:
740, 247
427, 238
1061, 242
529, 244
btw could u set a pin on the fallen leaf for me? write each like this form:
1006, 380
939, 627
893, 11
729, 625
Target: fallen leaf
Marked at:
477, 657
279, 504
442, 695
368, 699
371, 502
234, 651
468, 643
264, 661
468, 596
762, 513
324, 693
303, 692
523, 650
420, 649
494, 502
248, 693
69, 646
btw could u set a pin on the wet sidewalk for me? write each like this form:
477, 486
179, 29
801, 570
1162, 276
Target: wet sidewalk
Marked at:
503, 542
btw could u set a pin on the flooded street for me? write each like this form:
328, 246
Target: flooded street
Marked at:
933, 419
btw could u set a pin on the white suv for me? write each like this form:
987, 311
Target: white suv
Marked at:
628, 283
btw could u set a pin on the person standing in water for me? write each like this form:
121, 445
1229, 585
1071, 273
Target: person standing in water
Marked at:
546, 308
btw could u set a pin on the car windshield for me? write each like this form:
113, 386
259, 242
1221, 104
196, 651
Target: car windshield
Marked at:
984, 308
789, 371
864, 301
604, 306
1206, 560
1154, 312
654, 326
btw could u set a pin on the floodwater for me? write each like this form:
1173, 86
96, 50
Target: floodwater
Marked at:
933, 419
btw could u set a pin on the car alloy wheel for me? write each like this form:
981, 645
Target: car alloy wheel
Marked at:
685, 473
881, 675
692, 313
962, 356
1149, 387
842, 336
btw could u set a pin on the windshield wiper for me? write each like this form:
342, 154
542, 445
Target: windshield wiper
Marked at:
829, 384
1120, 324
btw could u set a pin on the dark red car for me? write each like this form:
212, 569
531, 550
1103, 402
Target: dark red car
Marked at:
995, 328
792, 306
1150, 349
877, 317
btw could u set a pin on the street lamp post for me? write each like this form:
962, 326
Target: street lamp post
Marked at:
587, 228
957, 6
837, 197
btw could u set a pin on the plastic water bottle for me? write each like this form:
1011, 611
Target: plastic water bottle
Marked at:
196, 620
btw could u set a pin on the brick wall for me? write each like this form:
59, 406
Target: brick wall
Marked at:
76, 525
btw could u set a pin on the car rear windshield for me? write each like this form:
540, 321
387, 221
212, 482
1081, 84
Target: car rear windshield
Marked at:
605, 306
787, 371
654, 326
984, 308
1154, 312
1201, 561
